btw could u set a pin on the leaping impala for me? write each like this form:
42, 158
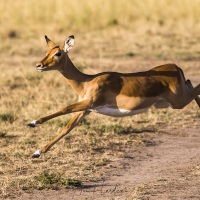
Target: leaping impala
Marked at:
114, 94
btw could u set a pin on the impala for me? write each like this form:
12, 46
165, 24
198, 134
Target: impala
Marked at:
114, 94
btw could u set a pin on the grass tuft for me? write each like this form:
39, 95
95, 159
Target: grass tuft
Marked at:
3, 134
53, 180
130, 54
74, 183
113, 22
109, 128
13, 34
7, 117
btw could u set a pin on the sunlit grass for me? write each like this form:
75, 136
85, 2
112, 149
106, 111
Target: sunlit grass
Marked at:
112, 35
65, 15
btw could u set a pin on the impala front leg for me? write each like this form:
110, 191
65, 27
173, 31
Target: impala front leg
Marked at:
72, 123
80, 106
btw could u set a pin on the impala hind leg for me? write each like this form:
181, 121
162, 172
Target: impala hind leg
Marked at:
187, 94
72, 123
190, 87
80, 106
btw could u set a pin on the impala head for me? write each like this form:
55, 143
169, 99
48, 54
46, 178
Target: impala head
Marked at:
55, 55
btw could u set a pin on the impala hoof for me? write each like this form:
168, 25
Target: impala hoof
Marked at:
33, 123
36, 154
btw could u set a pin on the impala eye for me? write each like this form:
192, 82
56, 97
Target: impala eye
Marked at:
58, 54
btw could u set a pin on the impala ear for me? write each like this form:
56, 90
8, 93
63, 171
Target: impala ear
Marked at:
69, 43
49, 42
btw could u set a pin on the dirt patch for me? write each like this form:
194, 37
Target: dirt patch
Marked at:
169, 169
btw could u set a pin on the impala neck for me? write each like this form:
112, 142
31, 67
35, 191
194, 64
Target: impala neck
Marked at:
74, 77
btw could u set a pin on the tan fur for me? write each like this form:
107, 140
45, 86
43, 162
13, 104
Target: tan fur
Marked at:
112, 93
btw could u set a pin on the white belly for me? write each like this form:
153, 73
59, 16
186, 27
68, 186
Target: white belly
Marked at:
117, 112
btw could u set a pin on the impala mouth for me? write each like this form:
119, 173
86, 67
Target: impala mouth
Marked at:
41, 69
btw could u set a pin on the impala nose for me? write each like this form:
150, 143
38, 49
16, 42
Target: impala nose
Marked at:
39, 65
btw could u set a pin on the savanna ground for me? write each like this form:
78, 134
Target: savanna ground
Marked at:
154, 155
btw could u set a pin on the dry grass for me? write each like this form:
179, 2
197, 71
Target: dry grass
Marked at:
87, 15
107, 39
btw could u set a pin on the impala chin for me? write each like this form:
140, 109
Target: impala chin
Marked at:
41, 69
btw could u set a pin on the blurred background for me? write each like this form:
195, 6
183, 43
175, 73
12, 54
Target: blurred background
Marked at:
164, 29
31, 18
